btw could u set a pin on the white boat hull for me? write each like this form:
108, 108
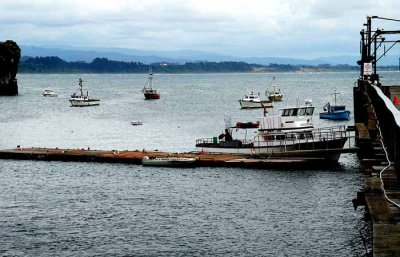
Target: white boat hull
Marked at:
50, 95
251, 104
326, 144
84, 103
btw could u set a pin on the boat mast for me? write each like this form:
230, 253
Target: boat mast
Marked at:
273, 84
80, 85
335, 93
150, 83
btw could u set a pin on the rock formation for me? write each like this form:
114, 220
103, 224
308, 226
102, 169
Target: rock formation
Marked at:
10, 53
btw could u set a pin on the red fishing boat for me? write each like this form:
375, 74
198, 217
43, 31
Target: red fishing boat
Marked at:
148, 91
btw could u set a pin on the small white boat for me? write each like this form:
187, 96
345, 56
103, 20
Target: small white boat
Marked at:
49, 92
167, 161
253, 101
136, 122
80, 99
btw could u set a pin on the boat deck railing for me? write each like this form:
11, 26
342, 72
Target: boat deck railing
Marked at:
322, 138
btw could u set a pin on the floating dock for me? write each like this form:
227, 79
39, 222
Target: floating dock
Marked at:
135, 157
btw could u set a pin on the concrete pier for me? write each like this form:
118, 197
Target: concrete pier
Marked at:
370, 116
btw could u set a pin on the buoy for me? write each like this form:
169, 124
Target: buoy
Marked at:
396, 100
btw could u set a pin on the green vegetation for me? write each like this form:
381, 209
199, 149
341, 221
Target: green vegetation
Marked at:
103, 65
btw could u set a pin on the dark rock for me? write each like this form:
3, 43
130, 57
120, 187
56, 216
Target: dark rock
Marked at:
10, 53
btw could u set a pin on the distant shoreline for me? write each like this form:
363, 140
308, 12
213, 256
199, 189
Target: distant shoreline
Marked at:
55, 65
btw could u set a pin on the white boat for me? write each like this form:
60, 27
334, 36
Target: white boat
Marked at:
49, 93
274, 95
253, 101
289, 134
136, 122
80, 99
167, 161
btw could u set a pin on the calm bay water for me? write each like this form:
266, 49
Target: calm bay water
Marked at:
91, 209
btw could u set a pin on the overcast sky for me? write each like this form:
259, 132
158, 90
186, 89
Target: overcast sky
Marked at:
276, 28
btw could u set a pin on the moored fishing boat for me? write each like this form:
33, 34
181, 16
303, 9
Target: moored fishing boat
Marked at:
274, 95
253, 101
335, 112
80, 99
289, 134
148, 91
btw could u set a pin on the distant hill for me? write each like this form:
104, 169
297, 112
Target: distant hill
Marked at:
54, 64
71, 54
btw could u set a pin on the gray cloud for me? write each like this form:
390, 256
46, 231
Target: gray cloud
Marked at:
306, 28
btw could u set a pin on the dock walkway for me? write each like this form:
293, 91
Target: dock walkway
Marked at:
135, 157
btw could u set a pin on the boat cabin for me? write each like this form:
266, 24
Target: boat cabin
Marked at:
299, 117
297, 111
252, 97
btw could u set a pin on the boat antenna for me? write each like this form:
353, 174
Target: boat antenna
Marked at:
273, 81
335, 93
271, 84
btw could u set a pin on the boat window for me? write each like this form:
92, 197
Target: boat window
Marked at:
285, 112
309, 110
302, 111
295, 112
280, 137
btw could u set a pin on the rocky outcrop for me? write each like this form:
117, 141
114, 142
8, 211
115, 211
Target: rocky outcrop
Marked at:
10, 53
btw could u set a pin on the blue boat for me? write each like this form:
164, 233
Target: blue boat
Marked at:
335, 112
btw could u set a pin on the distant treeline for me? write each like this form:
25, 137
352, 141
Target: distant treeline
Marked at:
103, 65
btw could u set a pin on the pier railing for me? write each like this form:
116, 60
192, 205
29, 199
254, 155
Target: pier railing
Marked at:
316, 139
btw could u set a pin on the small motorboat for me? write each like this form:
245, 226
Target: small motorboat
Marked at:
274, 95
148, 91
253, 101
137, 122
168, 161
49, 93
335, 112
80, 99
